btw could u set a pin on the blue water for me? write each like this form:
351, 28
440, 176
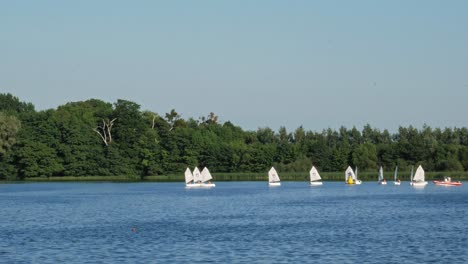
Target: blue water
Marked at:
236, 222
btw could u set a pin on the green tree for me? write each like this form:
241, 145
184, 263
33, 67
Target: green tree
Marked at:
128, 129
36, 159
365, 157
12, 105
80, 148
9, 127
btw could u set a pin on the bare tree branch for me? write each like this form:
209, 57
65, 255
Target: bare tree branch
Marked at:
103, 138
106, 128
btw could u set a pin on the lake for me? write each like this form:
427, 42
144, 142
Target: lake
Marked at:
236, 222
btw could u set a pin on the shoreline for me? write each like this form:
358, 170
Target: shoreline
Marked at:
224, 177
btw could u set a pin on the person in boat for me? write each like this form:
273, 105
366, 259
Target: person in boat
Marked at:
350, 180
384, 181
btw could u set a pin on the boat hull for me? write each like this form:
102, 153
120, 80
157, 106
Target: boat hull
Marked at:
445, 183
383, 183
274, 184
419, 184
396, 183
316, 183
200, 185
357, 182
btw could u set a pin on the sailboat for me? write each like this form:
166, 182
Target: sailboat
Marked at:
315, 177
190, 181
418, 179
382, 181
396, 181
205, 178
273, 178
411, 175
350, 176
356, 181
188, 176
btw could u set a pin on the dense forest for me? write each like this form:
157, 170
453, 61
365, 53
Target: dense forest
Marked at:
94, 137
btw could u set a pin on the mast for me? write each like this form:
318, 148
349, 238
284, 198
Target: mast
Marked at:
411, 176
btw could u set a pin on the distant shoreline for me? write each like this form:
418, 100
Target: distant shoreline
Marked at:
290, 176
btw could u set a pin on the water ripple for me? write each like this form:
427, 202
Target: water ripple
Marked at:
237, 222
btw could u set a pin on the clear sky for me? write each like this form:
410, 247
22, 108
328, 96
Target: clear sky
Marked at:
256, 63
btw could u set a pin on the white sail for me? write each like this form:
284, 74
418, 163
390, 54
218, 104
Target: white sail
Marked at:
381, 174
196, 175
349, 173
188, 176
314, 175
355, 175
273, 175
419, 175
205, 175
395, 176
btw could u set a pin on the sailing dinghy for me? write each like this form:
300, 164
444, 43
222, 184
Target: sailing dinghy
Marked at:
356, 180
273, 178
396, 181
350, 176
190, 178
206, 178
418, 179
315, 177
382, 181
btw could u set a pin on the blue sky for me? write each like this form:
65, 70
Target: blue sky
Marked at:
267, 63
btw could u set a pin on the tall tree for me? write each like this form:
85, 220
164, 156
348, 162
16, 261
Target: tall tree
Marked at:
9, 127
12, 105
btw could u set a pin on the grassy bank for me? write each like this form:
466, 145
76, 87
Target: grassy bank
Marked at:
290, 176
84, 179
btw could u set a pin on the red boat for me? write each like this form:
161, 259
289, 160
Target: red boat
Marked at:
447, 182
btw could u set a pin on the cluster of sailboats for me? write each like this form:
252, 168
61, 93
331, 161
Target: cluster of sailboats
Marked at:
202, 179
418, 179
198, 179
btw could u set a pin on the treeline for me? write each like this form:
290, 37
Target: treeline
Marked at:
97, 138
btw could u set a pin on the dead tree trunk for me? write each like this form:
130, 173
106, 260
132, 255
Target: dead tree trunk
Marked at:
105, 131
